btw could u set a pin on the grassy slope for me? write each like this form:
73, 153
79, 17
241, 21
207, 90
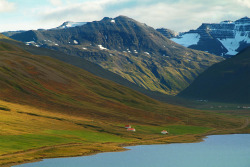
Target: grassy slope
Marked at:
49, 108
96, 70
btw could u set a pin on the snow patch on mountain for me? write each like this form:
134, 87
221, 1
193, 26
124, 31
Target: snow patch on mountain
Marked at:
30, 43
226, 38
102, 48
232, 44
76, 42
187, 39
69, 24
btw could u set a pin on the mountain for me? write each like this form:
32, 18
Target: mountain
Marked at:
226, 38
128, 48
227, 81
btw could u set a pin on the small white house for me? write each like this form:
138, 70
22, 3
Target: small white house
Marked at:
164, 132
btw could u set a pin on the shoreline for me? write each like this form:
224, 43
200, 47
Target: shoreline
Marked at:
122, 147
119, 147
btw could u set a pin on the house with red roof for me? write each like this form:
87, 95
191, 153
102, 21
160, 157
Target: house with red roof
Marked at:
131, 129
127, 126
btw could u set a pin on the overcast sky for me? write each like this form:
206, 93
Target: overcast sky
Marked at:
178, 15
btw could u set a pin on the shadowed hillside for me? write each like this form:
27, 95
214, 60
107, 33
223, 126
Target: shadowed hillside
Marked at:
227, 81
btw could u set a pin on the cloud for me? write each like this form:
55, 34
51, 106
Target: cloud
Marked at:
185, 15
244, 3
178, 15
6, 6
84, 11
56, 2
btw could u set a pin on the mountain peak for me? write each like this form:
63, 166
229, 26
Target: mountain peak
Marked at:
123, 17
243, 20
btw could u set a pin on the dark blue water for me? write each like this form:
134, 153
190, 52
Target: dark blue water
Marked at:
215, 151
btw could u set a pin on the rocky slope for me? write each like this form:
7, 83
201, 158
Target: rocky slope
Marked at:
223, 39
128, 48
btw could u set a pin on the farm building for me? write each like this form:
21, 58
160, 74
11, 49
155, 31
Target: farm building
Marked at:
127, 126
131, 129
164, 132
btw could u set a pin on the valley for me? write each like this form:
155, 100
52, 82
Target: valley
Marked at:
76, 83
50, 109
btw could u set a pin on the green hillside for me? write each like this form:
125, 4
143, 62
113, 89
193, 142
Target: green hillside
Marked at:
94, 69
227, 81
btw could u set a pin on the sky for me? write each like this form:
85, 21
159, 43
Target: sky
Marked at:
177, 15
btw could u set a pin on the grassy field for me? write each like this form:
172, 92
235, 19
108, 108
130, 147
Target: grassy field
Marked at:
29, 133
172, 129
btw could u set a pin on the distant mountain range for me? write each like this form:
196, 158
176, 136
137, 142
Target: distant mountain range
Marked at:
226, 38
128, 48
227, 81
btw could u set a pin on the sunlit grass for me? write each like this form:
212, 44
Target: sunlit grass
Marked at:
88, 136
172, 129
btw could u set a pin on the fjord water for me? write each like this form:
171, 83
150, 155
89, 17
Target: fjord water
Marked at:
215, 151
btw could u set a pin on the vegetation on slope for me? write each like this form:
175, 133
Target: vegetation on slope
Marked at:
94, 69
